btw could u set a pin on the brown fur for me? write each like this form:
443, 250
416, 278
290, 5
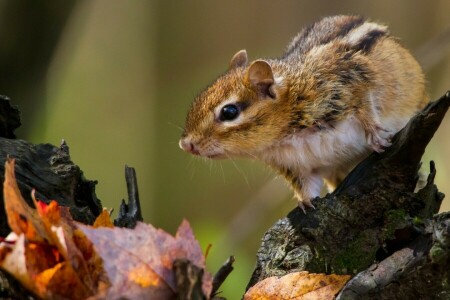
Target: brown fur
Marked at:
339, 69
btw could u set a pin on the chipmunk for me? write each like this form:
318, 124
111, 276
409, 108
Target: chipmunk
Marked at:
341, 90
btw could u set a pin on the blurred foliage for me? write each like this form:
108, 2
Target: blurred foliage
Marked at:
115, 79
29, 34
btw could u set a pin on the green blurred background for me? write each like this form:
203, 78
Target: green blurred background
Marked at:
115, 79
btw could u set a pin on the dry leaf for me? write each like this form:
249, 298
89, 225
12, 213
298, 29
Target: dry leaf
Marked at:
21, 217
57, 258
103, 220
139, 261
300, 285
43, 252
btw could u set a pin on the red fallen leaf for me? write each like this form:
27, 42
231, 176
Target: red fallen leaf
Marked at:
139, 261
299, 285
61, 228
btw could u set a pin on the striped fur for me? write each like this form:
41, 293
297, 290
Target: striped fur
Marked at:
343, 87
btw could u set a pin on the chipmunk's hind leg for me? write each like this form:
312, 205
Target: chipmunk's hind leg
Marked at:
306, 187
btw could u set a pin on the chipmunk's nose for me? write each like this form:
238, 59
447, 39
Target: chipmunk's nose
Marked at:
187, 145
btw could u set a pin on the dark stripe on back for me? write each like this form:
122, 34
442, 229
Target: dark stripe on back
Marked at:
323, 32
366, 44
346, 28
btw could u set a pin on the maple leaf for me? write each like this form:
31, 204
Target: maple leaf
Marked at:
299, 285
140, 261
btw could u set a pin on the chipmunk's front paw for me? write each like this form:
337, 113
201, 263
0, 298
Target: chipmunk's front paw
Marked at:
306, 189
379, 138
305, 203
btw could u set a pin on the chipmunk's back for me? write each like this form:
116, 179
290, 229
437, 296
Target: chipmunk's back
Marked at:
340, 54
322, 32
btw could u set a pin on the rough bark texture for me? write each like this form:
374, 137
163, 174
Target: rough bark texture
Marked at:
48, 170
374, 225
420, 270
189, 280
45, 168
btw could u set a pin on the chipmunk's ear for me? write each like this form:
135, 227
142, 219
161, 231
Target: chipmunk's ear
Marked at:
240, 59
260, 77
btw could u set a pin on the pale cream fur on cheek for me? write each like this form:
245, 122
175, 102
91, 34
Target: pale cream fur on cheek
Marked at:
279, 81
210, 146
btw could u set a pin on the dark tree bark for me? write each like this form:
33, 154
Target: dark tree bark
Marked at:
374, 226
45, 168
130, 214
51, 173
48, 170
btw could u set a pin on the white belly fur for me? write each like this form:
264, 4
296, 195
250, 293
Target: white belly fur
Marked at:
325, 151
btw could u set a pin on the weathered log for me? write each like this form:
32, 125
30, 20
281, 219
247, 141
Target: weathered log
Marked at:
45, 168
420, 270
50, 171
371, 216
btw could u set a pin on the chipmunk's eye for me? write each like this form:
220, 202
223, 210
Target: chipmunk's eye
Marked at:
229, 112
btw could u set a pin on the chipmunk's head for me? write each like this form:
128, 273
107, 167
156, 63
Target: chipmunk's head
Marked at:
239, 114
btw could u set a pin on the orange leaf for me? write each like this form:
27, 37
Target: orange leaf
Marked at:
50, 211
57, 258
21, 217
103, 220
60, 228
61, 281
300, 285
46, 252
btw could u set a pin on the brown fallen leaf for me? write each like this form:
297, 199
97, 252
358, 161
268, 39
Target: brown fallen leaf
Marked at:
140, 261
299, 285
